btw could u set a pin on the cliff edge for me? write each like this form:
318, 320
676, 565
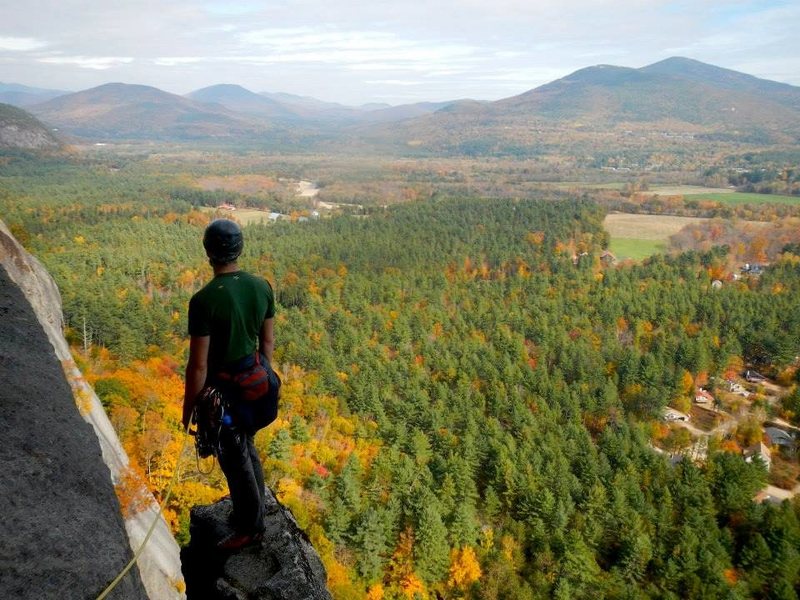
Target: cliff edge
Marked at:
283, 566
63, 535
28, 286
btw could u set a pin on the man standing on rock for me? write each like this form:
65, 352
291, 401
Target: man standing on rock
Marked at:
230, 329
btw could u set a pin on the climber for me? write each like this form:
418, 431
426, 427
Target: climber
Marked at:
231, 330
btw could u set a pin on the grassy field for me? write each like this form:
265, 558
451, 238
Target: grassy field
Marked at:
744, 198
685, 190
635, 249
568, 185
245, 216
646, 227
639, 236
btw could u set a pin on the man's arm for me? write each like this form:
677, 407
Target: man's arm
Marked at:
196, 371
266, 343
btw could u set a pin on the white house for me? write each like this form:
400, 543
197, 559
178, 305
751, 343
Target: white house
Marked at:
759, 451
703, 397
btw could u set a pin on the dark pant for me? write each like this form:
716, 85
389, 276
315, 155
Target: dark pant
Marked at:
240, 463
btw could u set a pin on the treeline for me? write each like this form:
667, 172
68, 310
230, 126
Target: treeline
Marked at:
470, 390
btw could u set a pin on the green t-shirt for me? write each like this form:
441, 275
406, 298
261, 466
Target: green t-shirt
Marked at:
231, 308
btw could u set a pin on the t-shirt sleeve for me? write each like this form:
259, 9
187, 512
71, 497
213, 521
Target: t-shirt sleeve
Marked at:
270, 302
198, 319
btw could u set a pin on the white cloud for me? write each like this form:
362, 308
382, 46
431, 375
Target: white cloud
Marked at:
459, 48
172, 61
97, 63
400, 82
21, 44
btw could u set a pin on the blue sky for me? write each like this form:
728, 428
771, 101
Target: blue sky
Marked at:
382, 51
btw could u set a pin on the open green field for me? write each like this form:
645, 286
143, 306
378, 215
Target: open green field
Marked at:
646, 227
635, 249
245, 216
567, 185
745, 198
639, 236
685, 190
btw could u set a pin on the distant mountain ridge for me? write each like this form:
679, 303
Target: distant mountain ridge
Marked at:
23, 95
236, 98
676, 88
677, 93
125, 111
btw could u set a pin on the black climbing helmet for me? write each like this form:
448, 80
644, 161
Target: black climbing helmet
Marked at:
223, 241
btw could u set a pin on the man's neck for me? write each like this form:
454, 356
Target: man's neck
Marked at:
229, 268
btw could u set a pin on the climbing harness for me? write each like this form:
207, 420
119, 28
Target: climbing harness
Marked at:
210, 415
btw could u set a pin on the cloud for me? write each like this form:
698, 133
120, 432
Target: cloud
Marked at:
400, 82
97, 63
355, 50
21, 44
173, 61
459, 48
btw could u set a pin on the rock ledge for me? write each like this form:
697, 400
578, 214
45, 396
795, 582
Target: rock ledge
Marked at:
283, 566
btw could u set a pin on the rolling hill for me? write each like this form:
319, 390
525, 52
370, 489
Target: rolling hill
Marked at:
23, 95
596, 106
676, 89
239, 99
20, 130
123, 111
676, 96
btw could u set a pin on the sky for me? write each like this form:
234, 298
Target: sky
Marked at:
394, 52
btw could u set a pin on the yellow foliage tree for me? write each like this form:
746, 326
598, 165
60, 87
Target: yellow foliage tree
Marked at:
464, 568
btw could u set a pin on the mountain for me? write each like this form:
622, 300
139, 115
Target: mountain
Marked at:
675, 95
21, 130
390, 114
22, 95
319, 111
239, 99
677, 89
312, 108
719, 77
123, 111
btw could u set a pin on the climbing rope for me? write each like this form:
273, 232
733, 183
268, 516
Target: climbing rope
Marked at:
152, 527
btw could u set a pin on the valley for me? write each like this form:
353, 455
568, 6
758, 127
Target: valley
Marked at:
530, 348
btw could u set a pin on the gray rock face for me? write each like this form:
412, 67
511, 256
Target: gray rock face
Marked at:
283, 566
20, 130
159, 564
61, 531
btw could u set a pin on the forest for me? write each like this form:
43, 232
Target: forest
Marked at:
472, 395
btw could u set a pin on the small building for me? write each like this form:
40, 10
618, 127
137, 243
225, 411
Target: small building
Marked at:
608, 257
737, 388
703, 397
761, 452
753, 269
754, 376
670, 414
779, 437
